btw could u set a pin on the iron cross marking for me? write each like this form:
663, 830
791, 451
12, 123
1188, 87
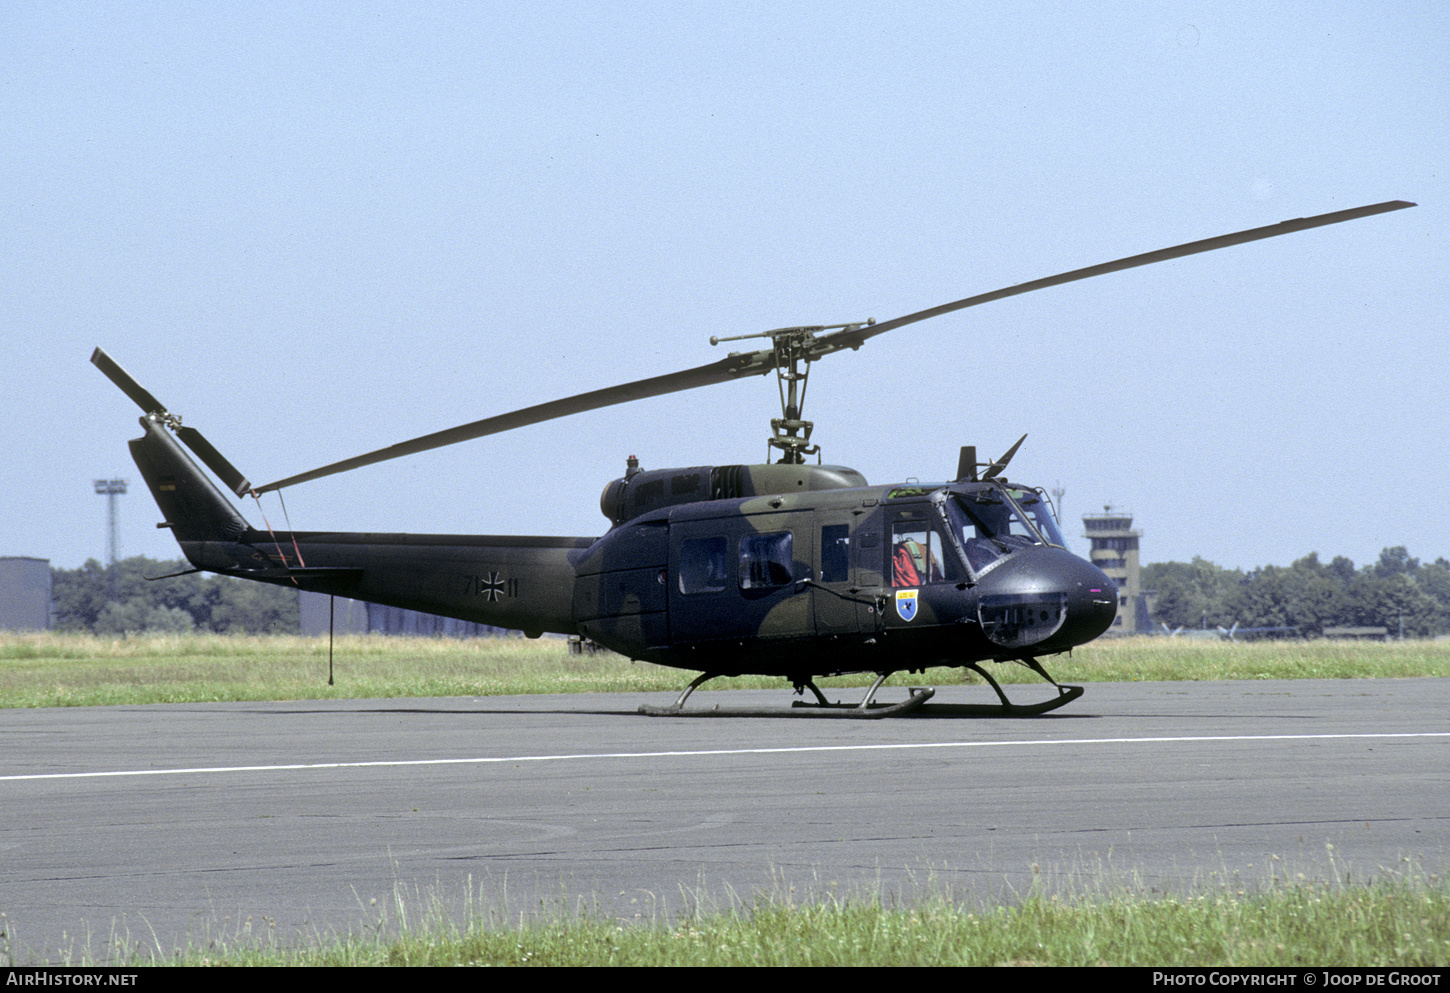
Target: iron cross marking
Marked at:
491, 587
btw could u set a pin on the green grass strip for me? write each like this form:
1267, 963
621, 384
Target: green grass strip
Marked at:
1401, 919
59, 670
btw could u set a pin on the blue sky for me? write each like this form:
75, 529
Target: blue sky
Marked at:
315, 229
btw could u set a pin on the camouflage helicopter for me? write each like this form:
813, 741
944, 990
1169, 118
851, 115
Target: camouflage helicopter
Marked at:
783, 569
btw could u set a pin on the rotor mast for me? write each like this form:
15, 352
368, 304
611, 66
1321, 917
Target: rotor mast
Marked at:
793, 348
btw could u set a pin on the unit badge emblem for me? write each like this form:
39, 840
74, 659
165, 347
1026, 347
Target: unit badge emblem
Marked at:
906, 604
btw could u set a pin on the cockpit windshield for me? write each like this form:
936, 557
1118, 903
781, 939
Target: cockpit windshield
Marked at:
1040, 511
992, 522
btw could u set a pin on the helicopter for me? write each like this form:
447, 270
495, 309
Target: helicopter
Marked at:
785, 569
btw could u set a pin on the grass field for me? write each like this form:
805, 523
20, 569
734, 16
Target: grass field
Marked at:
59, 670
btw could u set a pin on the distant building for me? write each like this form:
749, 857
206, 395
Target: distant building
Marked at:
24, 594
1115, 551
357, 617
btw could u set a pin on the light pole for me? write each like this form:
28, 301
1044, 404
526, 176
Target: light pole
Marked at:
1058, 493
111, 488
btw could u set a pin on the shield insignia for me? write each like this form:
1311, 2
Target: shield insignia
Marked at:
906, 604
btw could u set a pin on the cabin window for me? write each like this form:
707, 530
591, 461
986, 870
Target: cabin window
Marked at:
703, 565
649, 492
766, 560
835, 553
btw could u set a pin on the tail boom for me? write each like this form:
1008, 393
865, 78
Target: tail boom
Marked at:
522, 583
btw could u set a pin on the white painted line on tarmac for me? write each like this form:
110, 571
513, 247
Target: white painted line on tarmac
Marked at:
803, 749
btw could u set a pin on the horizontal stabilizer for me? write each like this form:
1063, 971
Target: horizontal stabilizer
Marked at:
300, 572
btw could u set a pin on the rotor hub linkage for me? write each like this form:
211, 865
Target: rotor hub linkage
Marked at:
790, 433
793, 351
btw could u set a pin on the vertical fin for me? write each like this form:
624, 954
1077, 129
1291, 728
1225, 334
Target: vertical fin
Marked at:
194, 508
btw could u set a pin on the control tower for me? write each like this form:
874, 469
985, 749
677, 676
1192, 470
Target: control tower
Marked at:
1115, 551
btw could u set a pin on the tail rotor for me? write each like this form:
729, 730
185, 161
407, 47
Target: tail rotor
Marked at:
156, 410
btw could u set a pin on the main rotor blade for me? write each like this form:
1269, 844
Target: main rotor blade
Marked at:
853, 339
763, 361
731, 367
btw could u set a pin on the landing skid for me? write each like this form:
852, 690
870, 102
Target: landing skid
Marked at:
863, 711
1065, 694
867, 710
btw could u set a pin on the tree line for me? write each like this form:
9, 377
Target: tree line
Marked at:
118, 599
1397, 593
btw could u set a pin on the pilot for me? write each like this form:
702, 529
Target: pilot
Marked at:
911, 562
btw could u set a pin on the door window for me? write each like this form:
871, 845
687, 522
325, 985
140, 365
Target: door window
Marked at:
766, 560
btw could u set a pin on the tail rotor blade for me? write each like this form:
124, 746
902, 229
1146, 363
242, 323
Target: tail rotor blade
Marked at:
129, 386
190, 437
214, 460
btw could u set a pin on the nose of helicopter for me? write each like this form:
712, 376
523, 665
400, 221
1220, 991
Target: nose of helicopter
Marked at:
1045, 599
